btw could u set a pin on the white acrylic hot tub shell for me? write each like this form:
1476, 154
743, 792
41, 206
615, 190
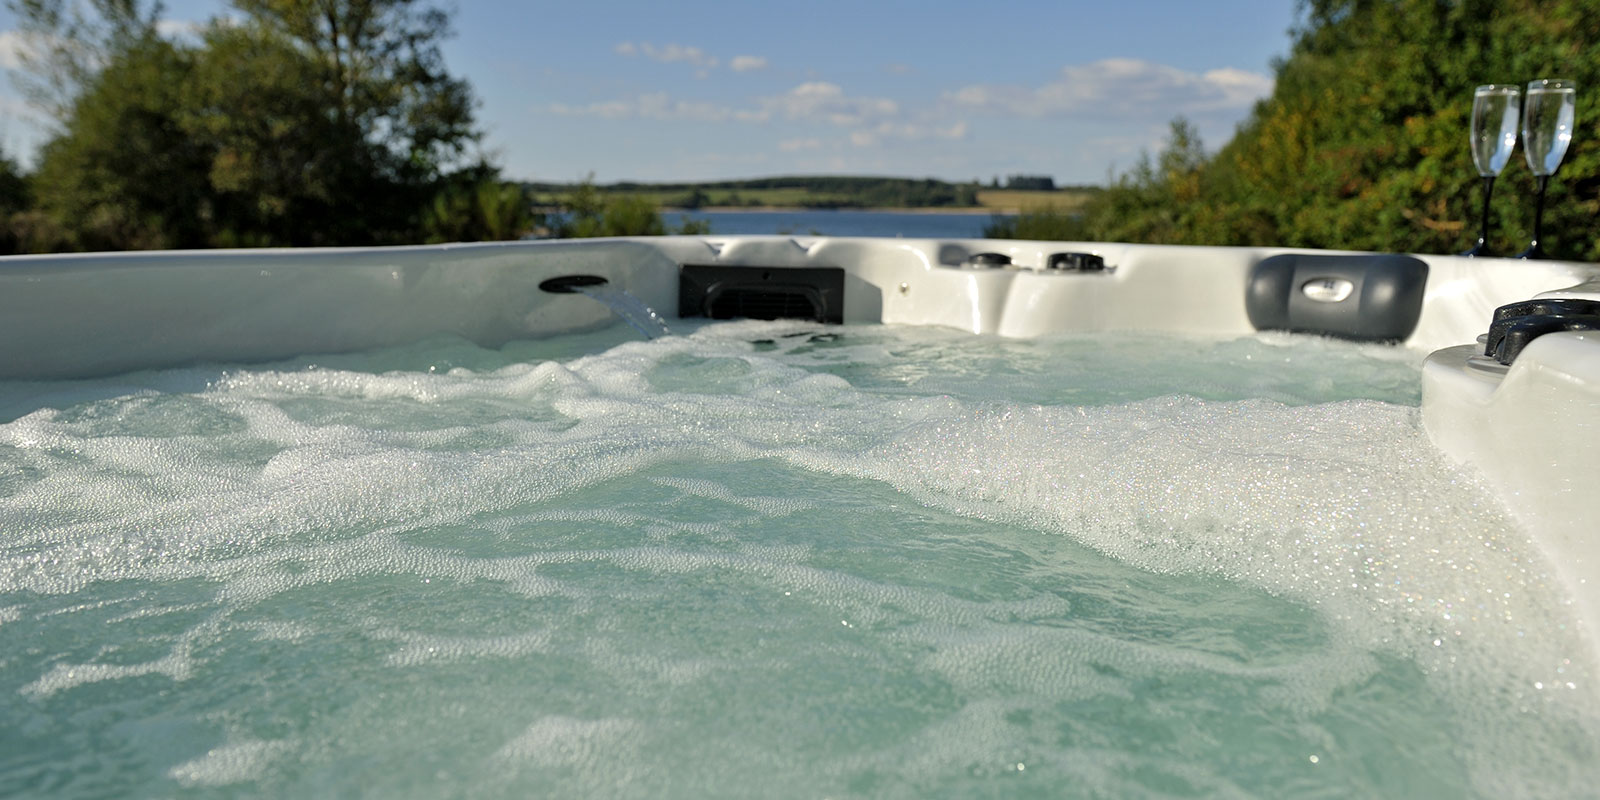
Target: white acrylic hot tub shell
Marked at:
1533, 430
95, 314
1534, 433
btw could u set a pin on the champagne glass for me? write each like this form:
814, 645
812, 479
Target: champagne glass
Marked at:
1496, 108
1546, 131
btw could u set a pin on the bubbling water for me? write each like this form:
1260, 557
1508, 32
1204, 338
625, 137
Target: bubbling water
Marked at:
768, 558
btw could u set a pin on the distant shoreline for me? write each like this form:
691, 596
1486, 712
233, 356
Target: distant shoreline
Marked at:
803, 210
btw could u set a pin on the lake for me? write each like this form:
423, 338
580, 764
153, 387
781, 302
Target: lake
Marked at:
914, 225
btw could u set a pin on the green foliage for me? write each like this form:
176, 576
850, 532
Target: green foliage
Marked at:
14, 199
475, 206
1156, 201
377, 71
696, 198
1363, 144
1049, 223
297, 123
694, 227
587, 212
14, 190
127, 175
630, 215
1031, 183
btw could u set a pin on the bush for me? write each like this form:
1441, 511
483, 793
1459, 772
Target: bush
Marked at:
586, 212
1363, 143
1048, 224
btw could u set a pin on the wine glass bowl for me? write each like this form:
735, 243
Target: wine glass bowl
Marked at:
1547, 127
1549, 108
1496, 108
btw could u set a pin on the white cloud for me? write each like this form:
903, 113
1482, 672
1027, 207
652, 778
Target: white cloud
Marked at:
658, 106
178, 29
1121, 87
613, 109
907, 132
15, 45
13, 49
796, 145
815, 102
683, 54
675, 53
826, 102
21, 130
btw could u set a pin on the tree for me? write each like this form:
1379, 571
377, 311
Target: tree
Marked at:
127, 175
1032, 183
379, 75
476, 206
1363, 143
13, 187
14, 200
334, 121
305, 122
586, 212
695, 198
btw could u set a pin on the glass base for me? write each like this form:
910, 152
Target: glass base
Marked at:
1534, 252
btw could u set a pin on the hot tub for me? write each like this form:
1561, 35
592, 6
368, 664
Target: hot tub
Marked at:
977, 517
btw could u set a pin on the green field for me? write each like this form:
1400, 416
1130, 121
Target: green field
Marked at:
832, 192
1024, 200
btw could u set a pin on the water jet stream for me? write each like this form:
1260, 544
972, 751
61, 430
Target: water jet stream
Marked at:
632, 310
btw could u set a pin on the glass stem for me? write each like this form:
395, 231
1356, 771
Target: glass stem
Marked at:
1483, 229
1538, 215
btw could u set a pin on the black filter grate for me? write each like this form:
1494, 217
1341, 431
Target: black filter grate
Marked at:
728, 292
769, 303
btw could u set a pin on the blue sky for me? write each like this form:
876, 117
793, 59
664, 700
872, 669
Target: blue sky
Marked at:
691, 90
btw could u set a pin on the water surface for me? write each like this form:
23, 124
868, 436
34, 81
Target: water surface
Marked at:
773, 559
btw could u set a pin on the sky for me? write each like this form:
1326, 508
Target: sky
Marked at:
697, 91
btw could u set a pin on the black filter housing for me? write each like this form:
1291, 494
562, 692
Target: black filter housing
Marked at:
1516, 324
724, 292
1362, 297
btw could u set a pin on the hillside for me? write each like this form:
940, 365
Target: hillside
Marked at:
821, 192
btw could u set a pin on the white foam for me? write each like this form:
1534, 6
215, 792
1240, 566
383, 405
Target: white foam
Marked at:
1343, 505
62, 677
314, 477
562, 741
764, 505
420, 649
235, 762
